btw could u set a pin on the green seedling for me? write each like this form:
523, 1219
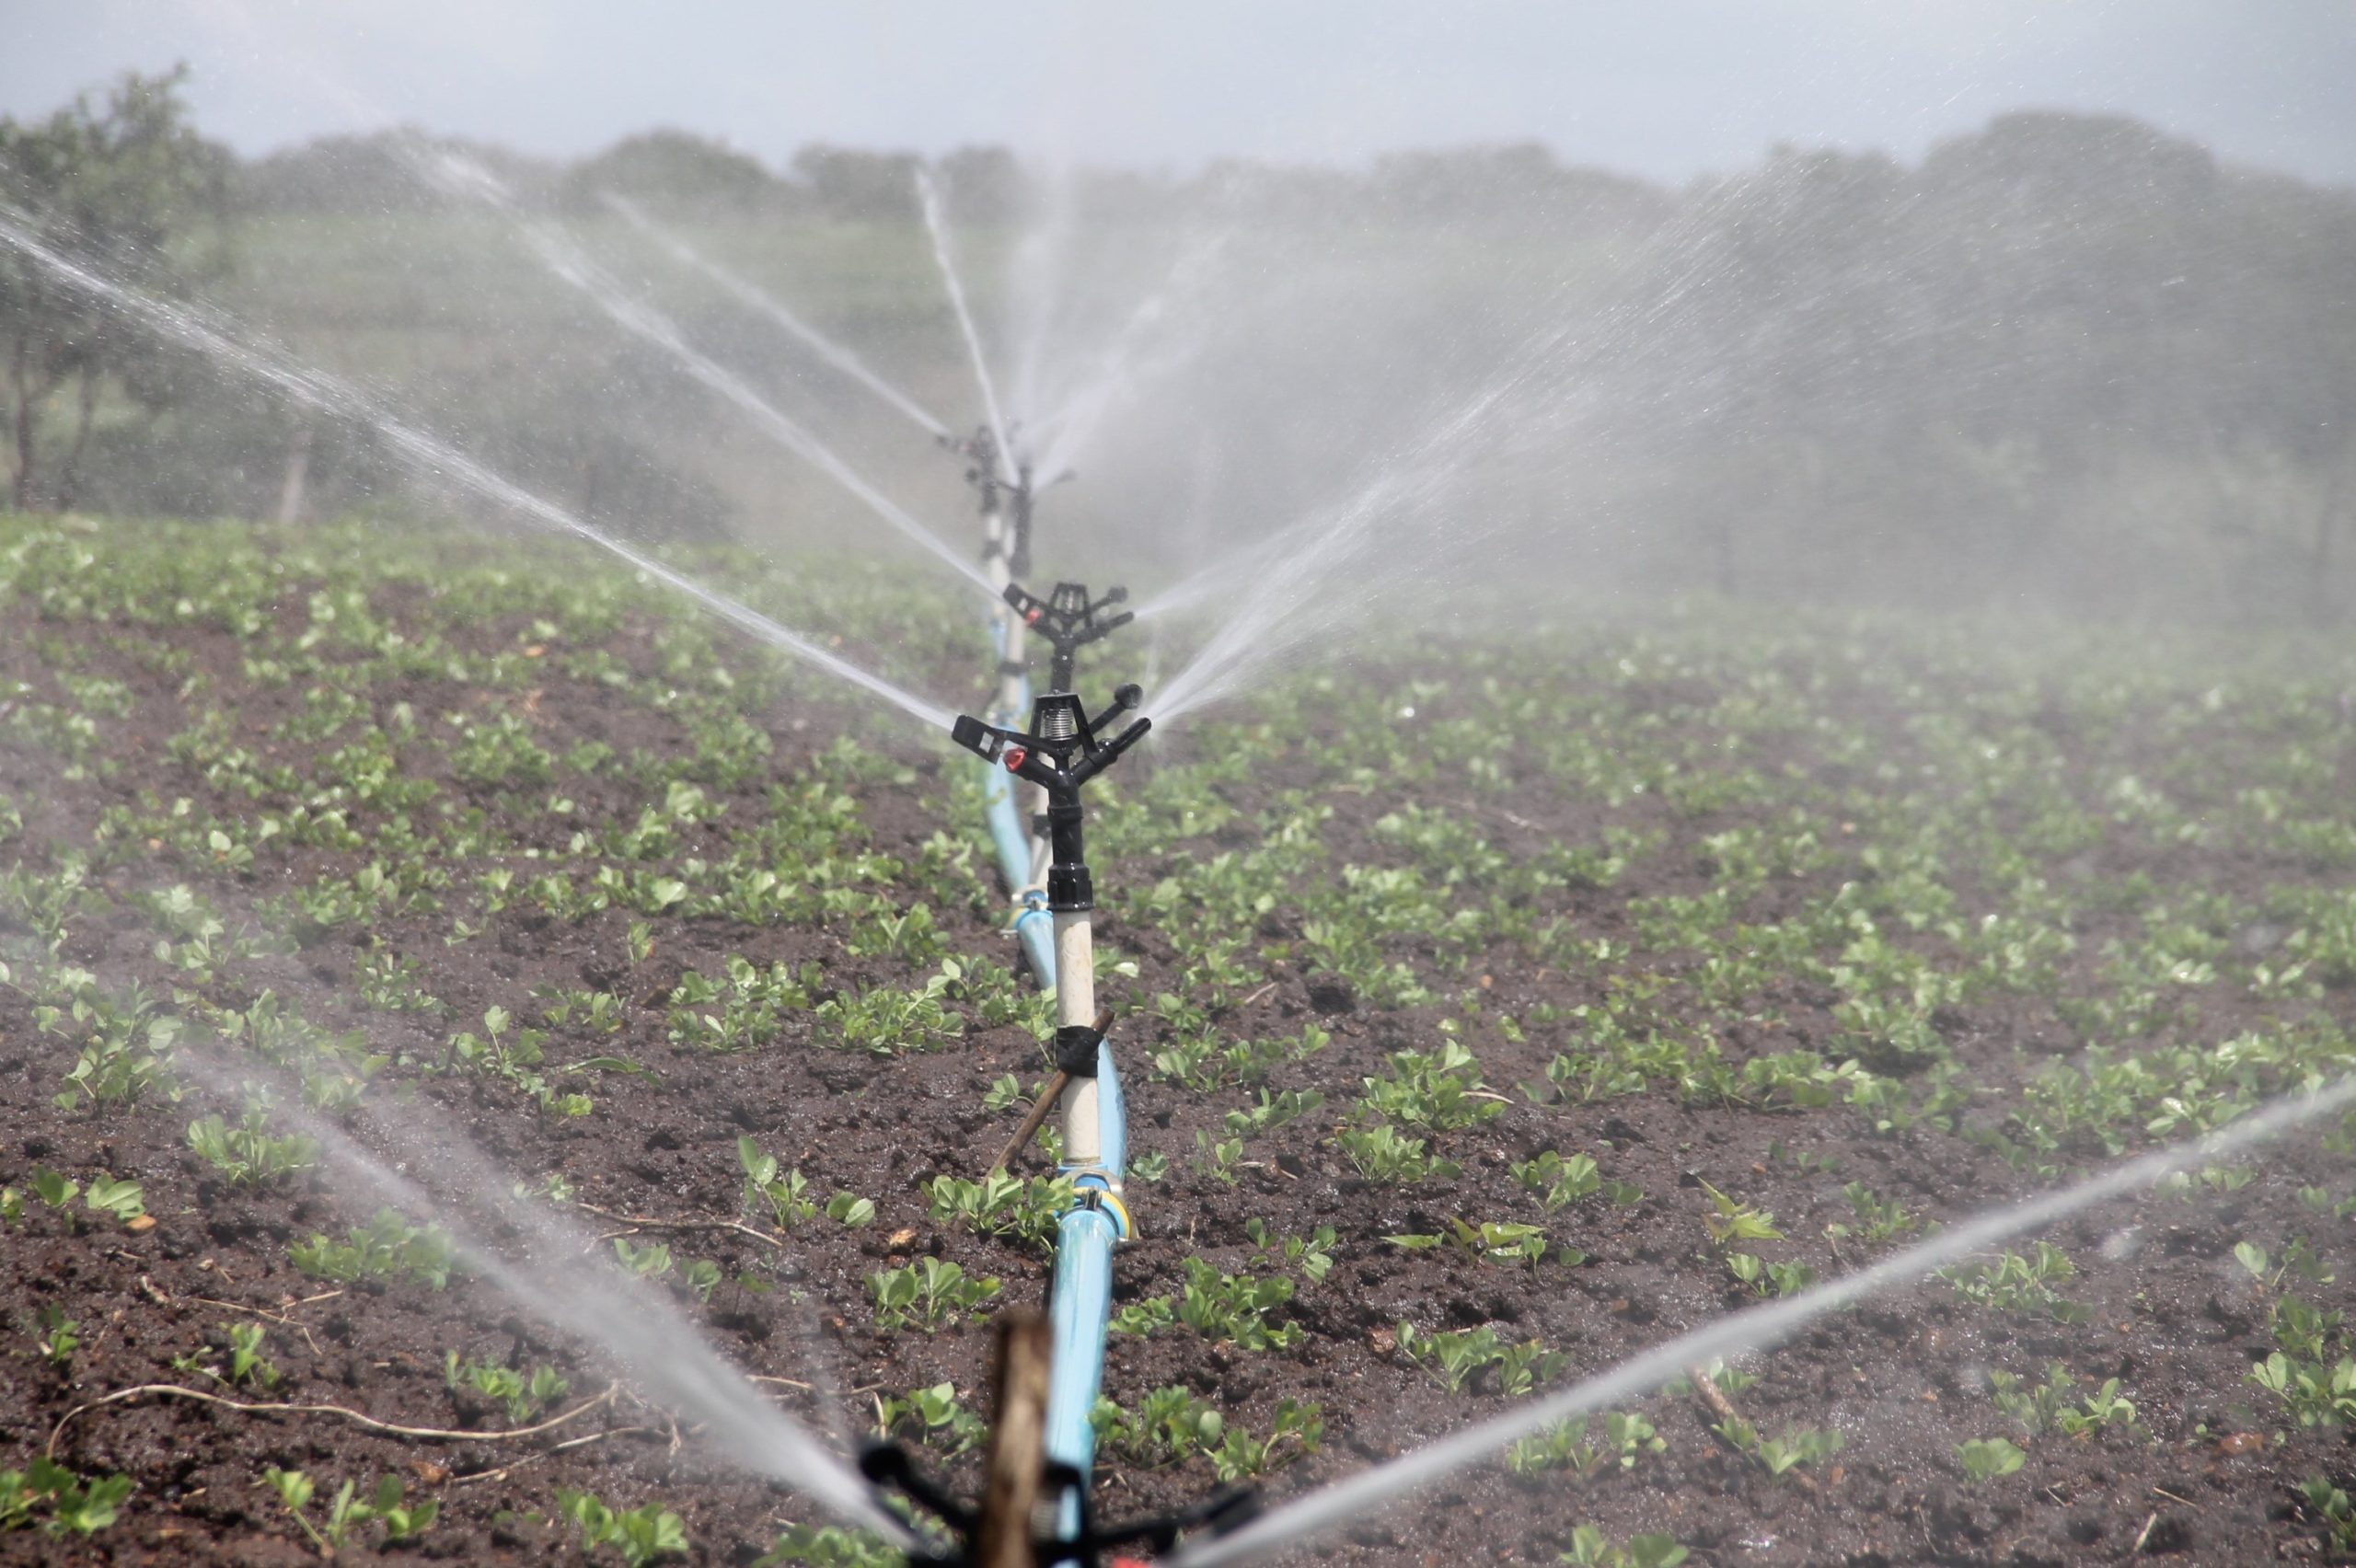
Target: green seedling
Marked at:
57, 1338
1781, 1454
1986, 1459
1559, 1182
2018, 1282
1590, 1548
385, 1249
63, 1502
1730, 1221
1380, 1154
1170, 1424
1027, 1208
522, 1396
1587, 1447
248, 1154
935, 1417
768, 1191
1455, 1358
831, 1546
2054, 1405
639, 1535
1312, 1255
2330, 1507
928, 1294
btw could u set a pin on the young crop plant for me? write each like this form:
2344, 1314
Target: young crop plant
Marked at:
248, 1153
1590, 1548
1587, 1447
1454, 1359
886, 1021
2016, 1283
246, 1366
1312, 1254
2328, 1504
1559, 1182
1382, 1154
2054, 1405
831, 1546
639, 1536
1205, 1061
1878, 1219
1988, 1458
1027, 1208
346, 1513
934, 1416
387, 1249
61, 1501
1170, 1424
522, 1395
928, 1294
1782, 1455
1440, 1091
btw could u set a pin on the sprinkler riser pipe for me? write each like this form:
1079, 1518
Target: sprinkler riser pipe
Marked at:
1075, 1007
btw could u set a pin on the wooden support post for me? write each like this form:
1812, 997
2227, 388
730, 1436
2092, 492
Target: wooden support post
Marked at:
1002, 1534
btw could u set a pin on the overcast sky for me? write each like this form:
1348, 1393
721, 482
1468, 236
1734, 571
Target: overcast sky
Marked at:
1661, 88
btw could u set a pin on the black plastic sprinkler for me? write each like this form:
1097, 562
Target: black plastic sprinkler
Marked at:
1059, 752
1001, 1528
1069, 621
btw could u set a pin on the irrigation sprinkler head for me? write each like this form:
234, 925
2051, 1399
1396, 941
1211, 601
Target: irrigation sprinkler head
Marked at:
889, 1469
1069, 621
1059, 752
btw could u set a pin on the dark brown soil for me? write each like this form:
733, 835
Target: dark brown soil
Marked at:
2208, 1481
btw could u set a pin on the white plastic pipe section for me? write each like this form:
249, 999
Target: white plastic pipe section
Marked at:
1075, 1004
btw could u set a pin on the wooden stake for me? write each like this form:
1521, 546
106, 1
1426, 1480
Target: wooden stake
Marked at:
1018, 1444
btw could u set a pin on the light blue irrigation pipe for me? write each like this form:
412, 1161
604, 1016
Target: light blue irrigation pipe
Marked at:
1081, 1306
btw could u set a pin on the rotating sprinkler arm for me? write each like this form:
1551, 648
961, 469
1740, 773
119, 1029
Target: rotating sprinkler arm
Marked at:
1069, 621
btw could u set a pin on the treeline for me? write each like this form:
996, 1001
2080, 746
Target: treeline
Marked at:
2066, 356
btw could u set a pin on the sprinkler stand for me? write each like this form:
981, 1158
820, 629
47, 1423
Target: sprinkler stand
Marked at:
1060, 753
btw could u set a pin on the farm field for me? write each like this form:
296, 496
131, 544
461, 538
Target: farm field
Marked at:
1489, 1011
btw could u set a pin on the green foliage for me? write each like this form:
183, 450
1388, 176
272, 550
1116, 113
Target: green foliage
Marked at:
1026, 1208
248, 1153
2054, 1405
1587, 1447
1170, 1424
120, 182
62, 1503
638, 1535
1440, 1091
830, 1546
928, 1294
1590, 1548
346, 1511
521, 1394
2016, 1282
1780, 1456
1559, 1182
1987, 1459
385, 1249
766, 1190
1454, 1359
933, 1417
1382, 1154
2331, 1508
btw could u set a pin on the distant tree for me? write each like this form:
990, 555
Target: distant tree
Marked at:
984, 185
125, 186
853, 184
376, 172
675, 165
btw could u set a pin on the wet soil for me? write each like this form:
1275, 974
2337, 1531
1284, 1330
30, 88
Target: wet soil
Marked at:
2208, 1481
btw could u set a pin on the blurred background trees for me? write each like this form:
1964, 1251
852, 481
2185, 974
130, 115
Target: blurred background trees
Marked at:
2065, 359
